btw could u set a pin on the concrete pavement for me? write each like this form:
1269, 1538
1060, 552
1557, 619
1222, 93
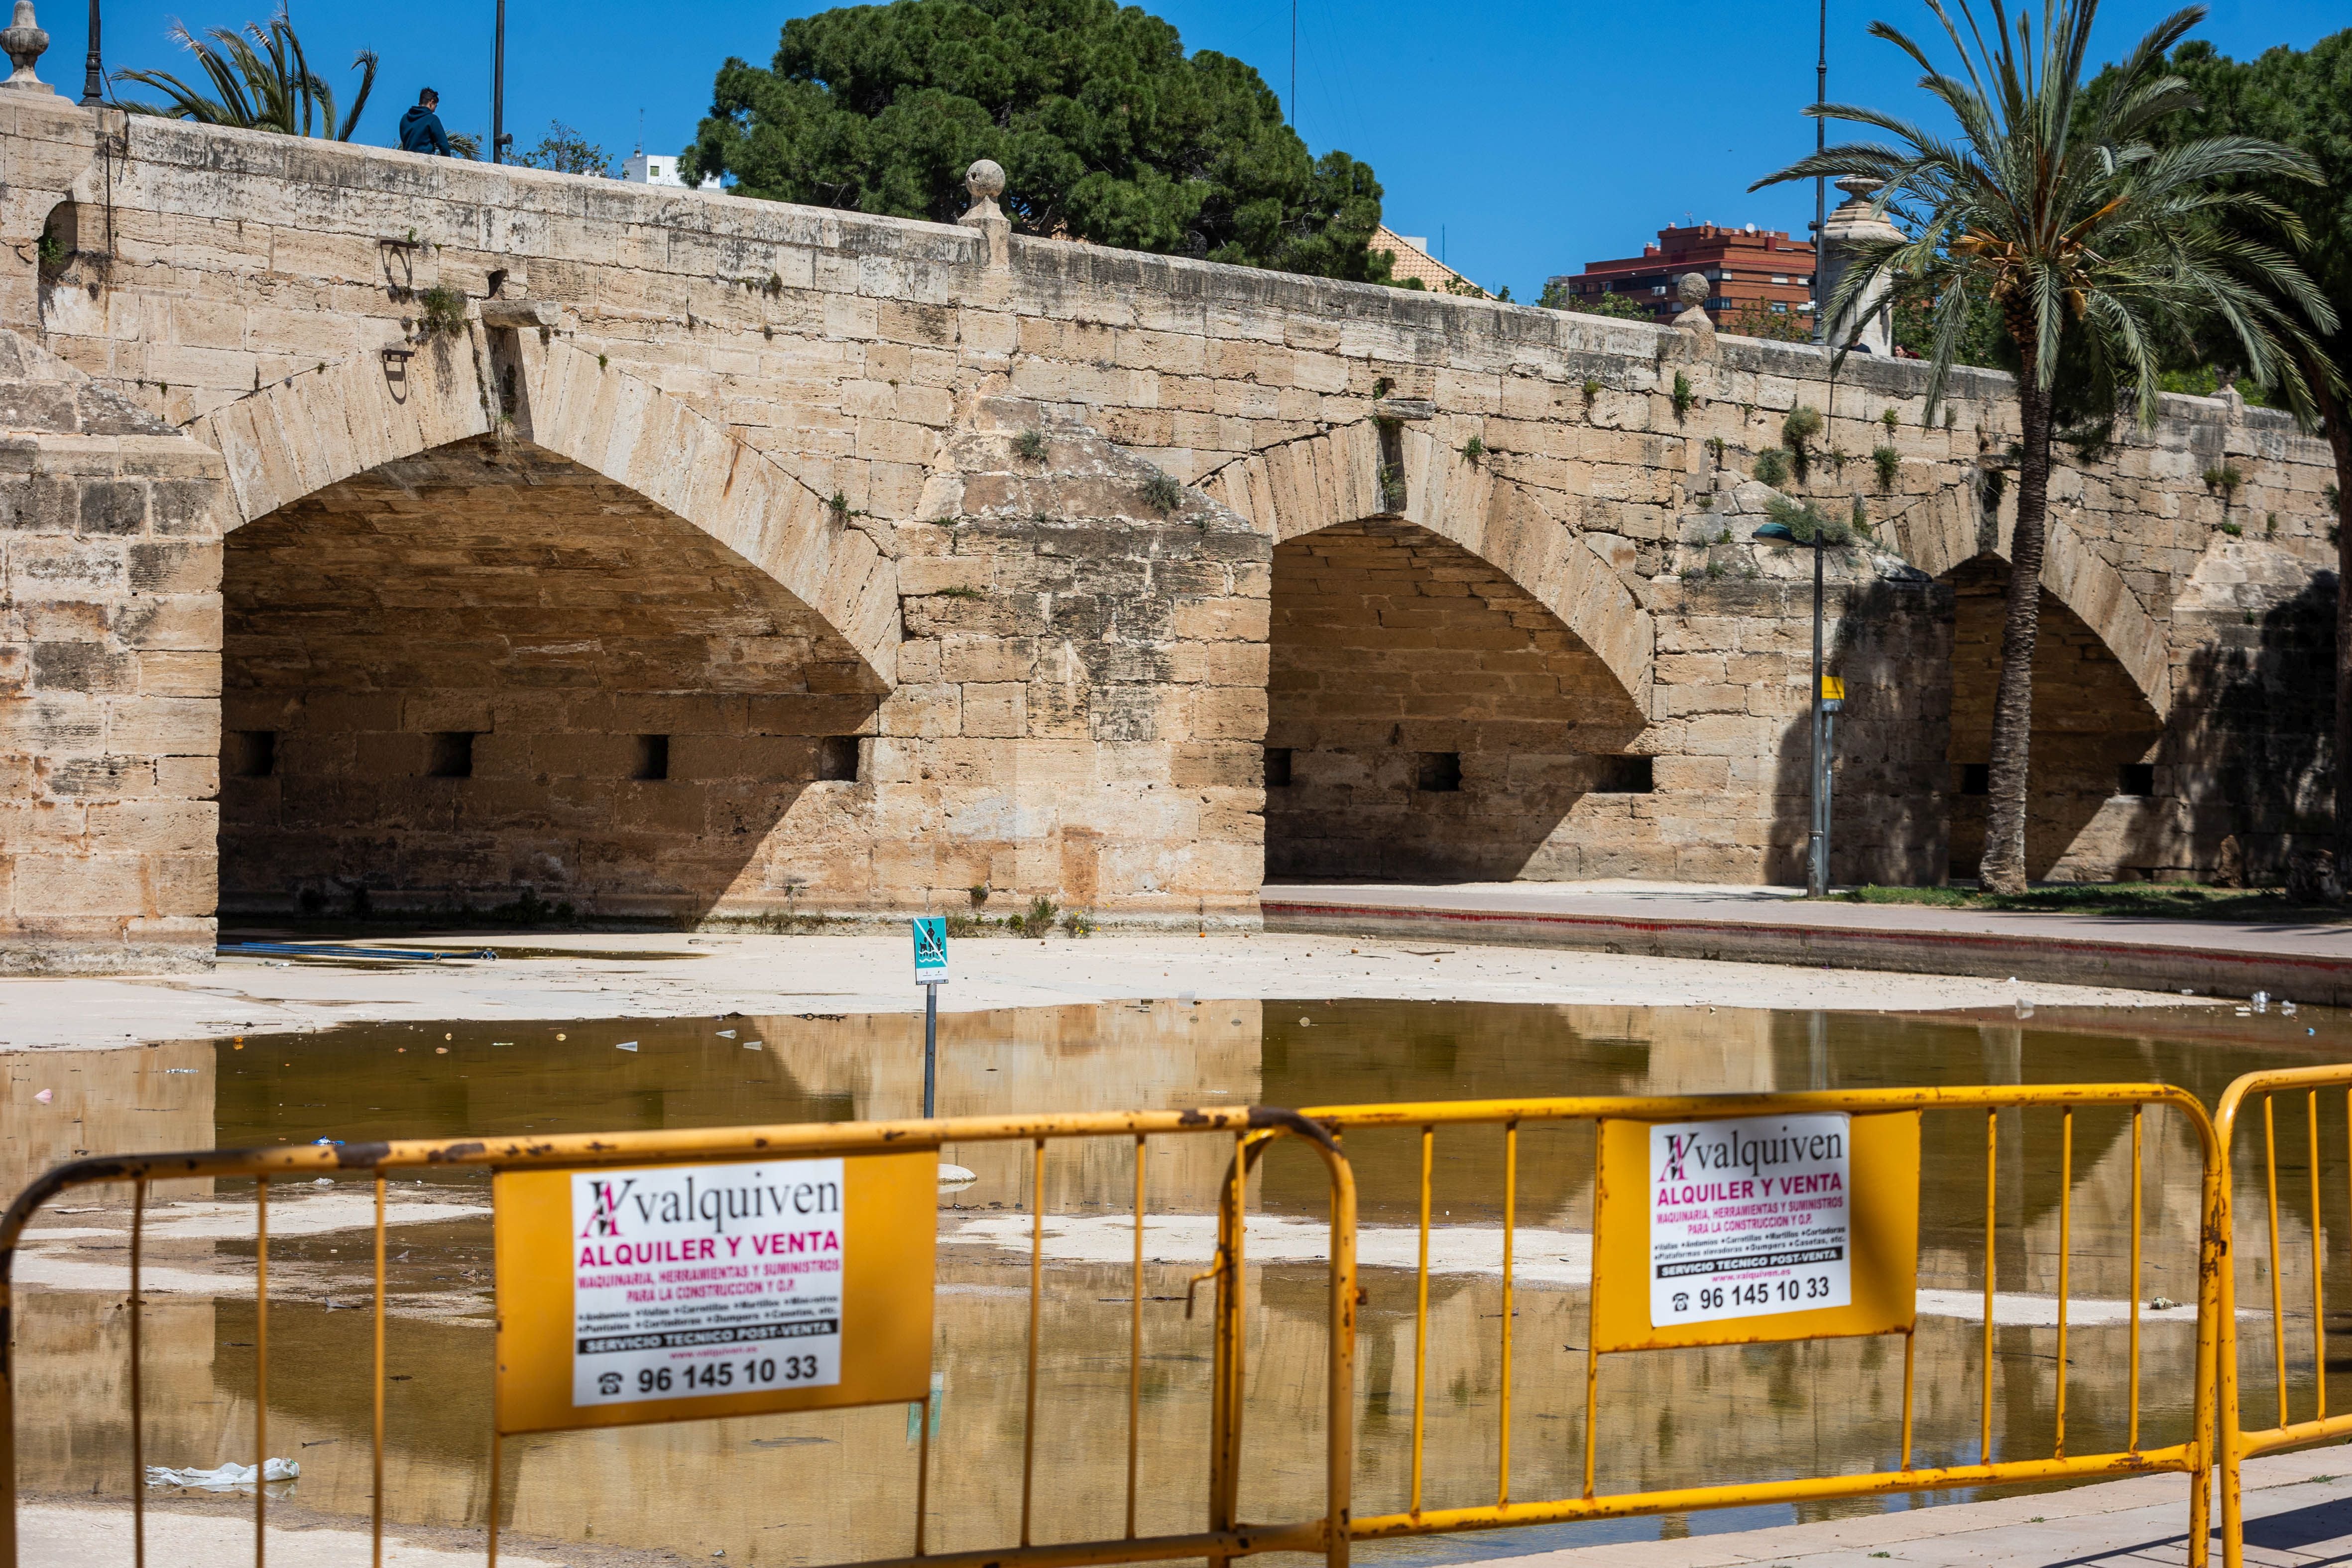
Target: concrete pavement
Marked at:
2298, 1511
2306, 961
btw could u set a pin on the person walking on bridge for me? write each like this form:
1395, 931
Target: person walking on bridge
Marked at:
420, 128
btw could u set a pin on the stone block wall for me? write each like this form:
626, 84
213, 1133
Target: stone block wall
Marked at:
109, 677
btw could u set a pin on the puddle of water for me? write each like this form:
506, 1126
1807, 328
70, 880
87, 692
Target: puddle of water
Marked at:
839, 1486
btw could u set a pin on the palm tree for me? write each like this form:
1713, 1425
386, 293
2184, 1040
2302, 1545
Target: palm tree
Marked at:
263, 81
2092, 246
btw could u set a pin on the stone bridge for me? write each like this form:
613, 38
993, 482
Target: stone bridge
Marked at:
385, 531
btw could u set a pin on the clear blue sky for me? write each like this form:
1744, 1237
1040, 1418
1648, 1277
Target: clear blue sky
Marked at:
1533, 135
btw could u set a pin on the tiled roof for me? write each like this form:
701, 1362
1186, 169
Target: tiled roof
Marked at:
1407, 260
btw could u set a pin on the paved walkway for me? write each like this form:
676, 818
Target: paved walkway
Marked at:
2298, 1511
2305, 960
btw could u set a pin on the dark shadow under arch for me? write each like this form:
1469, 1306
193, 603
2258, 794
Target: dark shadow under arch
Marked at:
1437, 722
486, 670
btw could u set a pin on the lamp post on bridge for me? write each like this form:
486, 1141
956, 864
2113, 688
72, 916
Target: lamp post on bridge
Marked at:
93, 69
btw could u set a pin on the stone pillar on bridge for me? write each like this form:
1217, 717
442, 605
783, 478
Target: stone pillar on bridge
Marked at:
985, 181
1867, 323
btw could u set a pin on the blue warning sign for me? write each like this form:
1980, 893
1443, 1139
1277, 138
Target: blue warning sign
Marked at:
931, 948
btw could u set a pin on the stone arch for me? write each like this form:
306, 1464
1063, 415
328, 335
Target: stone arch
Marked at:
1332, 478
1949, 533
316, 428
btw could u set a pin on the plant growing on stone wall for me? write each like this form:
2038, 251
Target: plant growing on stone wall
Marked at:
1889, 464
1715, 447
1685, 394
2234, 530
1038, 922
1805, 520
1592, 391
1890, 419
1078, 923
1724, 537
1392, 496
1473, 449
2226, 479
1030, 444
1772, 467
1860, 521
1162, 493
1797, 433
441, 311
1705, 500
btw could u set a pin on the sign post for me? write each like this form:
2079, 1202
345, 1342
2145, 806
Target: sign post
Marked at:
930, 973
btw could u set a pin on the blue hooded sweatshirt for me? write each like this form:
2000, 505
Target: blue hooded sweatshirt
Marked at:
420, 131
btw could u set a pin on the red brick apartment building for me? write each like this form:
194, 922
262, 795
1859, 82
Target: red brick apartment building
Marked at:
1748, 266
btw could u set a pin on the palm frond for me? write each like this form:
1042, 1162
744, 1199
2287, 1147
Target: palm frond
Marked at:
260, 81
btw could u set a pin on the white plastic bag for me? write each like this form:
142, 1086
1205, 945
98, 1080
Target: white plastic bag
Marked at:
226, 1476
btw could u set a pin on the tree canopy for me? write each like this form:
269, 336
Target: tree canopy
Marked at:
1106, 130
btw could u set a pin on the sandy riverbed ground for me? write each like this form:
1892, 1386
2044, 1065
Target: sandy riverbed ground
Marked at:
648, 976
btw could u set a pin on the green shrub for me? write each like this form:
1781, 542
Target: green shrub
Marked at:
1889, 464
1685, 394
1162, 493
1031, 445
1806, 519
441, 311
1772, 467
1797, 432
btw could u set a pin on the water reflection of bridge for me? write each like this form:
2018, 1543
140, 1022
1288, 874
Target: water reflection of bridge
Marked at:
837, 1486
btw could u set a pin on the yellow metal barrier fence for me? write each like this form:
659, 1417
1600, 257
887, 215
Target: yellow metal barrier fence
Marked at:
2237, 1444
1251, 1129
2191, 1456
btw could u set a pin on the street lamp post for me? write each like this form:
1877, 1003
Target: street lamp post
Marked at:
93, 67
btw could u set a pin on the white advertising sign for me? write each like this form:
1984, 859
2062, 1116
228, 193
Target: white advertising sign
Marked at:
697, 1279
1749, 1216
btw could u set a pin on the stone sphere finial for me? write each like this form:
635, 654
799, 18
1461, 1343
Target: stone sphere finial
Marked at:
25, 41
1691, 288
985, 180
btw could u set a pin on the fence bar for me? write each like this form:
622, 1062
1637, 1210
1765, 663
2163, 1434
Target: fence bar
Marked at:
1135, 1343
1992, 1151
1036, 1298
138, 1405
923, 1470
376, 1508
1420, 1317
2318, 1306
2065, 1258
1591, 1325
1510, 1225
2278, 1304
261, 1370
1910, 1342
1630, 1505
2131, 1443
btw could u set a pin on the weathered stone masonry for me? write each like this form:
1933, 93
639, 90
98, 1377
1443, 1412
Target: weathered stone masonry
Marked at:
684, 556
